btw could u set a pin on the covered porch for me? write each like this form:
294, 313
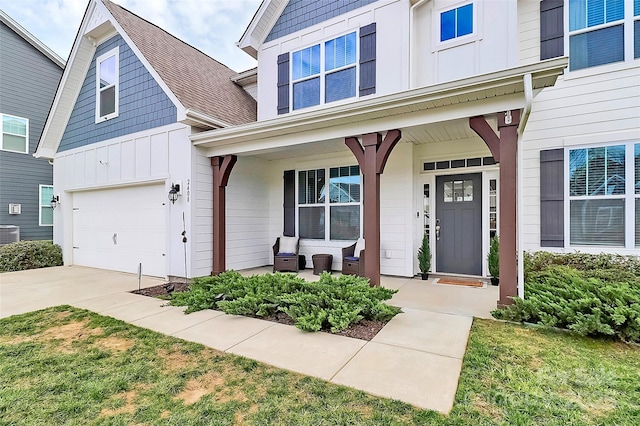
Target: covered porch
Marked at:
392, 141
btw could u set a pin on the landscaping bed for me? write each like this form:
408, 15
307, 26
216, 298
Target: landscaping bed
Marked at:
346, 306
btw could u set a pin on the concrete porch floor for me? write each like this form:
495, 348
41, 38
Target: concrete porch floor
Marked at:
416, 357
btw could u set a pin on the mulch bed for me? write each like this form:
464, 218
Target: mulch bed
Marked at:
364, 330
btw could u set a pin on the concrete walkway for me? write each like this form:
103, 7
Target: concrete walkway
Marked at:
416, 357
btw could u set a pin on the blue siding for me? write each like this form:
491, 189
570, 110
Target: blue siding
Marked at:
143, 103
28, 82
301, 14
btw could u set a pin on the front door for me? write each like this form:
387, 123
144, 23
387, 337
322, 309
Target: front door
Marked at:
458, 227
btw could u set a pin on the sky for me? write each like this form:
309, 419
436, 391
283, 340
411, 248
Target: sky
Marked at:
213, 26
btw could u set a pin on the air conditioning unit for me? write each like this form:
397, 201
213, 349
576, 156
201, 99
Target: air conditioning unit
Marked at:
15, 208
9, 234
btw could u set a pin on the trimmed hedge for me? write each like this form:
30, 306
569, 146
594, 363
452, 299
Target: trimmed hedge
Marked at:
29, 255
596, 295
328, 304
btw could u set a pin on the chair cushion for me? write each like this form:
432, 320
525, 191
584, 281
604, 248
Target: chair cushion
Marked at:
288, 245
359, 246
286, 254
351, 258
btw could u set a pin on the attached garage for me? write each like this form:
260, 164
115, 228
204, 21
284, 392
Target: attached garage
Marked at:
119, 228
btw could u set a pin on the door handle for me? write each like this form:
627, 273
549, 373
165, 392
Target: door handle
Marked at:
437, 229
115, 239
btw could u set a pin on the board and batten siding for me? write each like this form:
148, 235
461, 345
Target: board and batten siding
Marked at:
28, 82
600, 105
143, 104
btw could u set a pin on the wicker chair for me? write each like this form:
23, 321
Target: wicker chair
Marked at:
352, 265
286, 261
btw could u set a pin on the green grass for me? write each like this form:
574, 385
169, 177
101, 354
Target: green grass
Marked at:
69, 366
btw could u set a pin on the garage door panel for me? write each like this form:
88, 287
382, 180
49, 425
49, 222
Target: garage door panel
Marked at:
119, 228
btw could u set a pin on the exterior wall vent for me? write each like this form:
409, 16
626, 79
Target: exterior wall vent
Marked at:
15, 208
9, 234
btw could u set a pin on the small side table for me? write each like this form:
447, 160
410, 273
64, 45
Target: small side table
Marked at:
321, 263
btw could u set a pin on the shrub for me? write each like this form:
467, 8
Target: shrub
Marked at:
603, 302
424, 255
331, 303
539, 261
493, 258
29, 255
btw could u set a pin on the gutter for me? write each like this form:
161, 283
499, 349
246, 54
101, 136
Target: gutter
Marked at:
528, 96
205, 119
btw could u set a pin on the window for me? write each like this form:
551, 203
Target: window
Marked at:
15, 134
336, 79
456, 22
339, 200
46, 212
601, 200
493, 208
597, 32
458, 191
107, 81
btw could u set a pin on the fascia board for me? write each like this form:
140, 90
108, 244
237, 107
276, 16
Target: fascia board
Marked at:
544, 74
252, 39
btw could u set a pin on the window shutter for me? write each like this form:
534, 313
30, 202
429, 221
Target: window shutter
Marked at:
289, 203
551, 29
552, 198
368, 59
283, 83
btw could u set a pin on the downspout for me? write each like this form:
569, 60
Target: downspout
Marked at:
528, 97
412, 42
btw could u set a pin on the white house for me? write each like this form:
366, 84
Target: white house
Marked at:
387, 119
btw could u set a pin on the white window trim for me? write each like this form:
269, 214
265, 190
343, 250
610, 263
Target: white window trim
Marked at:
628, 35
113, 52
327, 204
41, 205
322, 74
629, 197
26, 145
475, 35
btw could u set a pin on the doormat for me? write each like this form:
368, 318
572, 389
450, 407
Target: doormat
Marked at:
455, 281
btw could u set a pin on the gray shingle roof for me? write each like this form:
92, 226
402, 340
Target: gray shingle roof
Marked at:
200, 82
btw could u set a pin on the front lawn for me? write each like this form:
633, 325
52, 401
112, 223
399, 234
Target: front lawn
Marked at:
69, 366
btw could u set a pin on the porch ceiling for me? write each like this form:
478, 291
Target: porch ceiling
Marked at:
426, 115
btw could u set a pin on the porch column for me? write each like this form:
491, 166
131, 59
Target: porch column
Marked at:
222, 167
372, 157
504, 150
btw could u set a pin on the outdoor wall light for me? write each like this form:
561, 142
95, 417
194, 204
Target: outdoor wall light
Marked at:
55, 200
174, 192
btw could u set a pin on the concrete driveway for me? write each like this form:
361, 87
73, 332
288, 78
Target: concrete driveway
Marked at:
415, 358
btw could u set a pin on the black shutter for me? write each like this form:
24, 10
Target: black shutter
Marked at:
552, 198
551, 29
368, 59
283, 83
289, 203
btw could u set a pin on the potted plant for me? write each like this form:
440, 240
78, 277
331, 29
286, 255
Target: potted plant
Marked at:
424, 257
493, 259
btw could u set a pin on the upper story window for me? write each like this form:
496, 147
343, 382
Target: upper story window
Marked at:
597, 32
107, 85
15, 134
456, 22
324, 72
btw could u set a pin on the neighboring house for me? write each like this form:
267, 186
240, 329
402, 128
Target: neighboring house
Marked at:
118, 134
29, 76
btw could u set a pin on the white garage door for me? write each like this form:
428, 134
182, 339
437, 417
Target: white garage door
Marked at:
119, 228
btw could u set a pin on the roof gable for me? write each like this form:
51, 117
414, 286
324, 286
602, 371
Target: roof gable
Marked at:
31, 39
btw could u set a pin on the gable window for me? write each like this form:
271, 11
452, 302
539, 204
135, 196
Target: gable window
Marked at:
456, 22
107, 84
15, 134
46, 212
603, 195
597, 32
324, 72
338, 199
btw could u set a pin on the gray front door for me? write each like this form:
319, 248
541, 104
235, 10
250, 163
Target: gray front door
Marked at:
459, 224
